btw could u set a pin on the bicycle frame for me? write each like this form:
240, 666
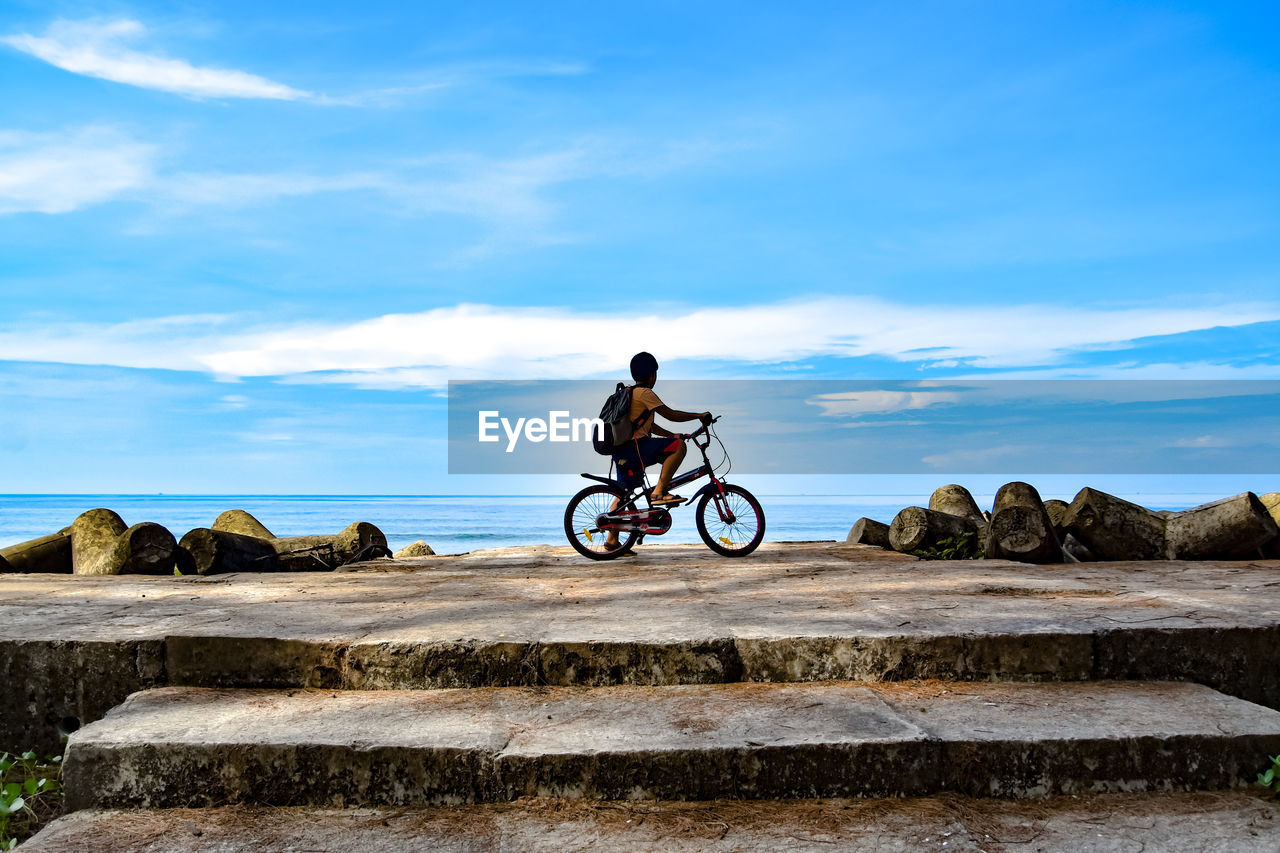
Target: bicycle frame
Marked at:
617, 512
715, 486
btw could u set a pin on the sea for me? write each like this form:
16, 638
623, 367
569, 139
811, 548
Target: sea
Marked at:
448, 523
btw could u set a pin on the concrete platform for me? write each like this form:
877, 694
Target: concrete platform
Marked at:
181, 746
1111, 823
672, 615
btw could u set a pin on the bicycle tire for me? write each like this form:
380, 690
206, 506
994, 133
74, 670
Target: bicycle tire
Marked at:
720, 537
579, 525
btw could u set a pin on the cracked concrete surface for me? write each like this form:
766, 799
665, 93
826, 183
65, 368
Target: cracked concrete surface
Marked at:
184, 746
673, 614
1112, 823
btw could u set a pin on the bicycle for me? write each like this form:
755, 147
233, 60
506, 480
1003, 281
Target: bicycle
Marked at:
729, 518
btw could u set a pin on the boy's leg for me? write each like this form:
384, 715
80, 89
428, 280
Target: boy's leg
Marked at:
669, 466
611, 541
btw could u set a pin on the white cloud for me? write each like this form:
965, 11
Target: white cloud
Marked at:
264, 437
474, 341
101, 48
65, 170
1189, 370
491, 189
494, 188
97, 49
856, 403
238, 190
1202, 441
162, 342
512, 197
447, 77
60, 172
980, 458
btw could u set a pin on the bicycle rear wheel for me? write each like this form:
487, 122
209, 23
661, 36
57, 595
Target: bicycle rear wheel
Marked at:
580, 523
736, 538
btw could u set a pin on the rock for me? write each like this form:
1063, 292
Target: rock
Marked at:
1113, 528
218, 551
239, 521
1020, 527
101, 544
183, 562
93, 534
1231, 528
215, 552
1076, 550
868, 531
916, 527
1271, 501
358, 541
417, 549
956, 500
46, 555
144, 549
1056, 509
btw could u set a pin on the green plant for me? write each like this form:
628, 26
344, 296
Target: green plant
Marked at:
1270, 779
963, 547
30, 795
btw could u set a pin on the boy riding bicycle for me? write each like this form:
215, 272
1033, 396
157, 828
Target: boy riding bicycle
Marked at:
650, 442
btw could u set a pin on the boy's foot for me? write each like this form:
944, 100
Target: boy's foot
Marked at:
666, 499
609, 546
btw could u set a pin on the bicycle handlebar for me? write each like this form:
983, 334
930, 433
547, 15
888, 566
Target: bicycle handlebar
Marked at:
700, 430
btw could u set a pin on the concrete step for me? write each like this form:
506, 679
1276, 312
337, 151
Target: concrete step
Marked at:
1225, 822
672, 615
178, 746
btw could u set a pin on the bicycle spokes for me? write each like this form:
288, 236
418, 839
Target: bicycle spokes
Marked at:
727, 516
587, 513
735, 526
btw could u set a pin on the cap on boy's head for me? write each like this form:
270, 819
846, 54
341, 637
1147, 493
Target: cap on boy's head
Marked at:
643, 366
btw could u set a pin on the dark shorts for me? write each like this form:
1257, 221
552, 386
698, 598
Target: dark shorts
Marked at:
633, 457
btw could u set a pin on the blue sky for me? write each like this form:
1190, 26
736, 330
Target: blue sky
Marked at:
243, 246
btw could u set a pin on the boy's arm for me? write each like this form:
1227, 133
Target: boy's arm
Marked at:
677, 415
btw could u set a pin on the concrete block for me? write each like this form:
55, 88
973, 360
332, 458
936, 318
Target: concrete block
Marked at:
44, 555
52, 687
200, 747
1226, 822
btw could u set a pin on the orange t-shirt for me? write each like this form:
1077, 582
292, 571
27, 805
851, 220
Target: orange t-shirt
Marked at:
643, 402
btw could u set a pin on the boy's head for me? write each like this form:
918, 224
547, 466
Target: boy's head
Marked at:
644, 369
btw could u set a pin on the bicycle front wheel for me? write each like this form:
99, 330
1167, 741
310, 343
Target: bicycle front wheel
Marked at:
741, 532
580, 523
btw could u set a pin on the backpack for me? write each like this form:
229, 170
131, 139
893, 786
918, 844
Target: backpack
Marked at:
618, 426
